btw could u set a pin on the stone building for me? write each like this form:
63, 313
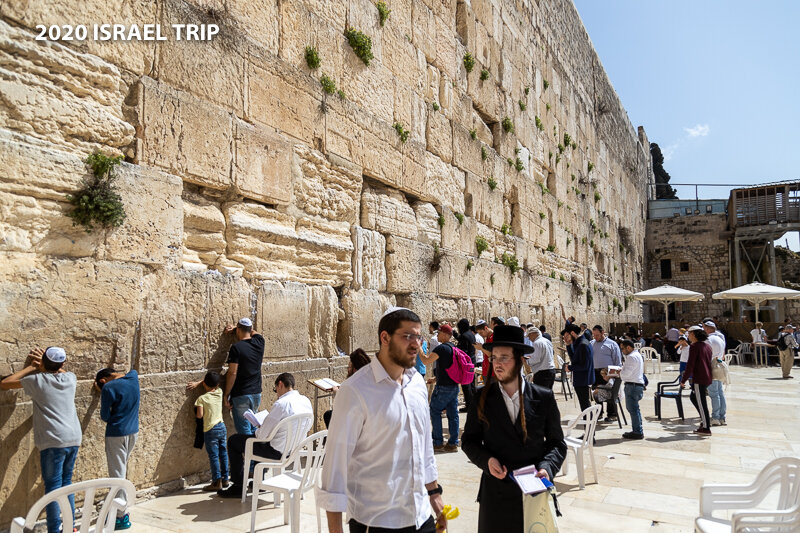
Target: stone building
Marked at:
251, 191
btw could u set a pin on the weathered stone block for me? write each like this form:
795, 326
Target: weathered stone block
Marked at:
458, 235
55, 94
184, 136
369, 260
428, 230
408, 266
439, 135
402, 59
453, 276
327, 187
410, 111
424, 29
289, 301
387, 211
363, 310
371, 86
323, 317
444, 184
483, 203
263, 164
466, 151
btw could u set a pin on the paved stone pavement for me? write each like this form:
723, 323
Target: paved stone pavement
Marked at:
649, 485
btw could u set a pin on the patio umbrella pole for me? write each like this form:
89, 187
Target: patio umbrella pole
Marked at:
666, 315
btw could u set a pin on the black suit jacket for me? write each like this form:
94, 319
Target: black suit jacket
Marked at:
501, 501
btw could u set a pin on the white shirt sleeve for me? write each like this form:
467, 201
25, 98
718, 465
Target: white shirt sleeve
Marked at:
275, 415
431, 473
345, 429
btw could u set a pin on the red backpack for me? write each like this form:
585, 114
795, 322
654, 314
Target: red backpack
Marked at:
462, 371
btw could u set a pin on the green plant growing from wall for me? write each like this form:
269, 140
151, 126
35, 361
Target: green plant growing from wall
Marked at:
361, 44
549, 155
562, 278
593, 224
98, 202
542, 216
470, 264
560, 203
383, 12
328, 85
560, 148
527, 90
459, 217
547, 107
510, 161
591, 243
597, 197
567, 139
505, 229
491, 279
522, 106
436, 262
568, 241
484, 153
551, 248
492, 183
583, 240
401, 132
539, 125
589, 297
508, 125
589, 167
473, 134
469, 62
341, 95
484, 74
572, 176
519, 165
440, 220
481, 244
553, 274
510, 260
545, 84
312, 58
574, 145
558, 158
435, 106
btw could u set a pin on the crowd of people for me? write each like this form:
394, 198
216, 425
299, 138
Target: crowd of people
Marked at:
386, 423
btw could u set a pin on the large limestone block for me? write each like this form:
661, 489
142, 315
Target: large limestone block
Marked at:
263, 164
446, 57
428, 230
89, 307
259, 20
371, 86
445, 309
61, 96
281, 95
280, 304
439, 135
457, 235
387, 211
483, 203
323, 317
453, 276
408, 266
369, 259
211, 70
135, 56
424, 29
422, 305
363, 310
327, 187
17, 450
466, 151
381, 151
153, 229
184, 135
410, 110
344, 135
403, 60
444, 184
273, 245
414, 171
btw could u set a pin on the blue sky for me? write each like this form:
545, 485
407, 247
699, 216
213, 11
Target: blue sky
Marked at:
715, 83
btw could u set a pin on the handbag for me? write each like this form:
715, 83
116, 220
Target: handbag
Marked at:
539, 512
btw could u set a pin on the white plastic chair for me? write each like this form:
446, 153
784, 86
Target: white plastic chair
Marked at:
738, 353
108, 511
307, 462
650, 354
588, 421
637, 345
783, 473
296, 428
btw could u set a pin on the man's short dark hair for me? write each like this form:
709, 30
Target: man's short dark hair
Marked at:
359, 358
572, 328
584, 325
599, 328
102, 374
627, 342
49, 365
391, 322
700, 335
434, 325
243, 328
212, 379
542, 328
497, 320
286, 378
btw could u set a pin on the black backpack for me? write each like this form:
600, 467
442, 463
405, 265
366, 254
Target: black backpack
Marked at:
782, 342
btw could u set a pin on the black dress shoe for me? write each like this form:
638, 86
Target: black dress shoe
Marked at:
633, 436
234, 491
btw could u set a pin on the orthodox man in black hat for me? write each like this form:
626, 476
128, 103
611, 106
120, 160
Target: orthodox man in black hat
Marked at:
500, 437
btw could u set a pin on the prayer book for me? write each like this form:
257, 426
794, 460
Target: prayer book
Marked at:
256, 418
528, 482
325, 384
614, 370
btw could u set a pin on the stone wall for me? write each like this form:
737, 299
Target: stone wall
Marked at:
251, 192
696, 244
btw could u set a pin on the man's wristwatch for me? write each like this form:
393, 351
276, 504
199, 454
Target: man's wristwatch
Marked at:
437, 490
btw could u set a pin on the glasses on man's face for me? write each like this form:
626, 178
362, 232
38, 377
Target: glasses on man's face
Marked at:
410, 337
502, 359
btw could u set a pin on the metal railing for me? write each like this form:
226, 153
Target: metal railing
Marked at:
777, 203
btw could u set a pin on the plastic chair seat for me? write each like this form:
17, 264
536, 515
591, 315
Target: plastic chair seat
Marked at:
288, 481
711, 525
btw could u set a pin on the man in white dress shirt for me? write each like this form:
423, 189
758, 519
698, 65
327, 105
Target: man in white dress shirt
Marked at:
632, 375
379, 465
541, 360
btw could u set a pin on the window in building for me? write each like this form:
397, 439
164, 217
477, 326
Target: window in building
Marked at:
709, 209
666, 269
684, 266
688, 210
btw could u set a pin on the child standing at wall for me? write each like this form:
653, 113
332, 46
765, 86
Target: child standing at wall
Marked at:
209, 408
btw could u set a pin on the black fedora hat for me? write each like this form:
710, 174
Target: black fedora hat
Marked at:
509, 336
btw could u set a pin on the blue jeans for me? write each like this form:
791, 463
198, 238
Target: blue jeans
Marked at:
634, 393
216, 440
718, 405
444, 397
57, 466
240, 405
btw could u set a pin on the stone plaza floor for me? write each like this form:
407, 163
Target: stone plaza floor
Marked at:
648, 485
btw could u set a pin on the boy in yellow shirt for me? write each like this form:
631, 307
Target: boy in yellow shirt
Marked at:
209, 408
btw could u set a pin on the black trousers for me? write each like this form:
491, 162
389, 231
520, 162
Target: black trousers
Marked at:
698, 397
545, 378
468, 391
428, 527
584, 394
669, 347
612, 404
236, 444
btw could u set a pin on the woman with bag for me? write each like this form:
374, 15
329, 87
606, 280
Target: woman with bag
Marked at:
501, 435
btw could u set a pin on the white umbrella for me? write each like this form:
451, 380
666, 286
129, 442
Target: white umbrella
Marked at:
666, 294
757, 293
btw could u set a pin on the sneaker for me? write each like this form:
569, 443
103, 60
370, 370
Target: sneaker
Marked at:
438, 449
703, 431
214, 486
723, 422
715, 422
123, 522
233, 491
633, 436
611, 418
450, 448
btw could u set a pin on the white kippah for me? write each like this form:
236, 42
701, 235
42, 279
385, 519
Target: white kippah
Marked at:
393, 308
246, 322
56, 354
